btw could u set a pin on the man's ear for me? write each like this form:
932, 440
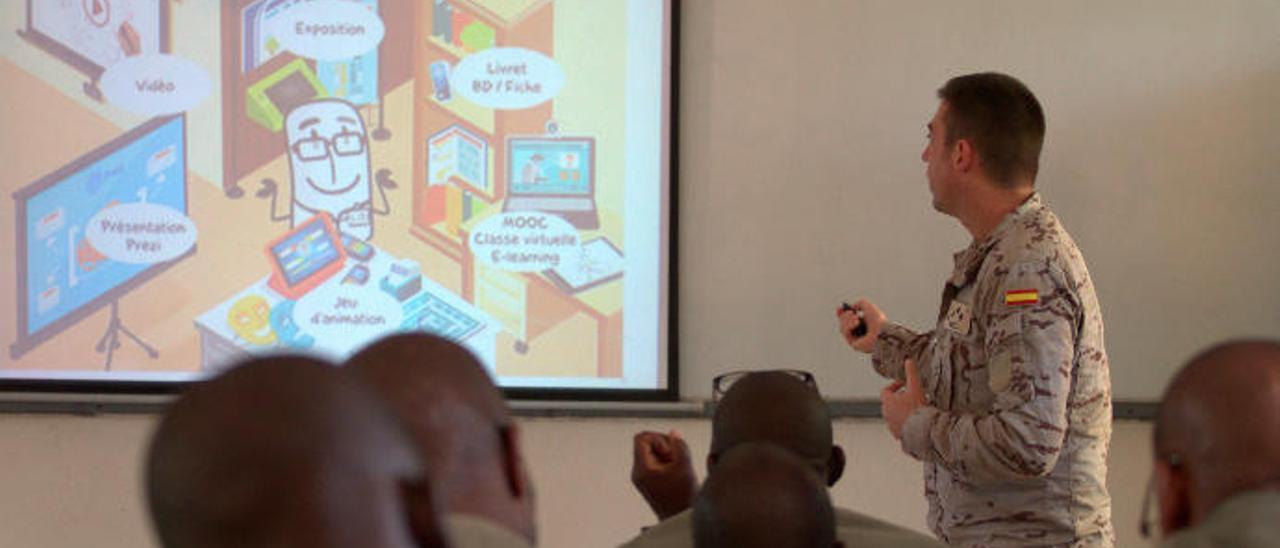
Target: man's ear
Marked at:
835, 465
424, 524
512, 461
963, 157
1174, 496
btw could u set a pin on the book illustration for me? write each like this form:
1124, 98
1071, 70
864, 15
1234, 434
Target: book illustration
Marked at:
458, 154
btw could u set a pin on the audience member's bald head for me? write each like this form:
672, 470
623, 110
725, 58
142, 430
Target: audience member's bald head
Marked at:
761, 495
460, 422
778, 408
1218, 427
285, 451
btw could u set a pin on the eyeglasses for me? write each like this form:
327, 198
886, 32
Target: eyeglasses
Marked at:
344, 143
1145, 519
721, 384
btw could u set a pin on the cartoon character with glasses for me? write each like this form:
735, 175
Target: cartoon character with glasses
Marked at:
329, 167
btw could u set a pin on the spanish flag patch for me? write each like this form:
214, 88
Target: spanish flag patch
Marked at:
1019, 297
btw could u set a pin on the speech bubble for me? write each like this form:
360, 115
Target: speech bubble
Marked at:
527, 241
342, 317
141, 233
507, 78
328, 30
155, 84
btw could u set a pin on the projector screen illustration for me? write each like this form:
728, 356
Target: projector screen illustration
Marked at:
311, 175
91, 35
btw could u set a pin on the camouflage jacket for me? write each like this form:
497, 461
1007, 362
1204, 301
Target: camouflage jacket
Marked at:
1017, 422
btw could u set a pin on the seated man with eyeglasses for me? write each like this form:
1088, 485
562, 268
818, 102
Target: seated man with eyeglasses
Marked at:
782, 408
1217, 450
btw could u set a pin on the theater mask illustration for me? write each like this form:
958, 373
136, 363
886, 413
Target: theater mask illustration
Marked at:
249, 318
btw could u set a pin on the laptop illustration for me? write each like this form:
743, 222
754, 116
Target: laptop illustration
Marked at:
554, 175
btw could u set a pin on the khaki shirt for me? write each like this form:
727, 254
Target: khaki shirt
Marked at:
1247, 520
854, 529
1017, 422
466, 531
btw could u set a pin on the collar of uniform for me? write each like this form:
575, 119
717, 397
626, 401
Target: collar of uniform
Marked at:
1241, 514
969, 259
467, 531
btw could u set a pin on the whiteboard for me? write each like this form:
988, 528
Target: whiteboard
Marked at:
100, 31
802, 185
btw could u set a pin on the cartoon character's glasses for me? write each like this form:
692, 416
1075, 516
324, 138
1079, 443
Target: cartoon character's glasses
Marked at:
344, 143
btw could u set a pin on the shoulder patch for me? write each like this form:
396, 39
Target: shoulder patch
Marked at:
1021, 297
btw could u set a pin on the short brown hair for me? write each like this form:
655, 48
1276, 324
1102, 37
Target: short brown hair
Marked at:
1003, 120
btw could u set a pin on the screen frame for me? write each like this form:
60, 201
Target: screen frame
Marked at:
24, 341
668, 307
26, 393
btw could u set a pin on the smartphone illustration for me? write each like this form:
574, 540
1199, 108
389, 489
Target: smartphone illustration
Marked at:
357, 248
440, 80
358, 275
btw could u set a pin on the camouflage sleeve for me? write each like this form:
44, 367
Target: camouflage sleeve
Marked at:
895, 344
1030, 326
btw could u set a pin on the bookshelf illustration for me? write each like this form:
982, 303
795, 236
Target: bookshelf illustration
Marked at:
252, 64
460, 169
460, 156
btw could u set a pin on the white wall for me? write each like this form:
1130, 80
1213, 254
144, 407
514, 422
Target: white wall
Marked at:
75, 481
801, 182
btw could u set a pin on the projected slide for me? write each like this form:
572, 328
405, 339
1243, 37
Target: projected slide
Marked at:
314, 174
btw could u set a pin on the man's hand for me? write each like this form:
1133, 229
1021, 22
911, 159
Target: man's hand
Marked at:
849, 319
897, 403
663, 472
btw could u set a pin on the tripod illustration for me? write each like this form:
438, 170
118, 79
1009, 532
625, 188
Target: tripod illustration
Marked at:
110, 340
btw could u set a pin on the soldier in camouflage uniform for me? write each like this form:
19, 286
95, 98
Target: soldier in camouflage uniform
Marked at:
1009, 408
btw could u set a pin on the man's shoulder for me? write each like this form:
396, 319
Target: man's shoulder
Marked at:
857, 529
1036, 246
468, 531
1036, 236
675, 531
1246, 520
